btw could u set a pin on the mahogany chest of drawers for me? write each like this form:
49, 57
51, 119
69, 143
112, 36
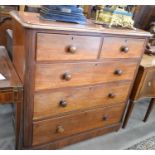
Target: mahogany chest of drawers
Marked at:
77, 78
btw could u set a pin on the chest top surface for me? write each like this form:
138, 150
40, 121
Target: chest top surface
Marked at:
58, 66
33, 21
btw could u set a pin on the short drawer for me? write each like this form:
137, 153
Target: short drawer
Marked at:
66, 47
60, 127
49, 103
58, 75
122, 47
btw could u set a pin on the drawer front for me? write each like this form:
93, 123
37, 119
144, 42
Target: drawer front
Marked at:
122, 47
76, 74
55, 102
66, 47
6, 97
148, 87
60, 127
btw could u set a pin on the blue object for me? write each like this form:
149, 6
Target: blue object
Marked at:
65, 13
118, 12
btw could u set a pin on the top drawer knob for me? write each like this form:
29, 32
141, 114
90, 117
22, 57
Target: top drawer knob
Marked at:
118, 72
124, 49
72, 49
111, 95
63, 103
149, 84
60, 129
67, 76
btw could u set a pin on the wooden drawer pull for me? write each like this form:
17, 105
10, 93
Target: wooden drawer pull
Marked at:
60, 129
124, 49
72, 49
63, 103
105, 118
67, 76
111, 95
118, 72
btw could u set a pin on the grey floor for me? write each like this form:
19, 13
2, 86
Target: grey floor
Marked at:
7, 134
124, 138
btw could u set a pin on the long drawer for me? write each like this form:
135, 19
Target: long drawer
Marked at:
122, 47
49, 103
66, 47
58, 75
60, 127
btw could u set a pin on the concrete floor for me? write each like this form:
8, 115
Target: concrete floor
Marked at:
124, 138
7, 135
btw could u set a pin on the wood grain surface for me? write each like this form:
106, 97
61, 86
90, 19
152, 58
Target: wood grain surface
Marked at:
50, 76
60, 47
61, 101
49, 130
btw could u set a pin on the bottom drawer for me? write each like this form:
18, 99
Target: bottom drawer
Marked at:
60, 127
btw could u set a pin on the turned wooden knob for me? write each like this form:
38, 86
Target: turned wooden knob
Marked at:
118, 72
60, 129
72, 49
124, 49
111, 95
67, 76
105, 118
63, 103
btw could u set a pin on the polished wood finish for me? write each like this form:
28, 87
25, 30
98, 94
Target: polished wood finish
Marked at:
52, 75
78, 137
121, 47
72, 124
24, 64
6, 24
72, 47
68, 94
62, 101
148, 86
6, 96
144, 86
19, 54
148, 61
11, 91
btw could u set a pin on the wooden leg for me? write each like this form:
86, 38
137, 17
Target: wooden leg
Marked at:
128, 113
19, 118
149, 109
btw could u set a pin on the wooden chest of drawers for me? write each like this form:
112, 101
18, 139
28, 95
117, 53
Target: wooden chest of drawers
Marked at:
77, 78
